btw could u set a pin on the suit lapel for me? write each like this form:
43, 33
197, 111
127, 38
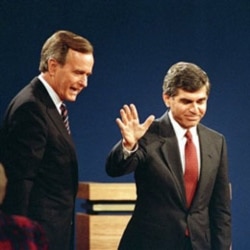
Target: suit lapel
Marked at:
52, 111
206, 147
42, 94
57, 120
171, 155
204, 154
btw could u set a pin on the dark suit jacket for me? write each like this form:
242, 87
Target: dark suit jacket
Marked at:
161, 217
41, 165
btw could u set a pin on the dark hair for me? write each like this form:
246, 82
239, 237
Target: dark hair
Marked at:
57, 47
186, 76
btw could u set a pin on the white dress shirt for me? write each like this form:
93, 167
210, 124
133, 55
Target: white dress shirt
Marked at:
53, 95
180, 134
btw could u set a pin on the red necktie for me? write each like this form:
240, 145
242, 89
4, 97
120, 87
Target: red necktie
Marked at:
191, 168
65, 116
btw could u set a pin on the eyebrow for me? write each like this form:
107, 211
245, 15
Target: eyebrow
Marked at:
190, 100
82, 72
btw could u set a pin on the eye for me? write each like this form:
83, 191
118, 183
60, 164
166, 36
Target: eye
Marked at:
78, 72
185, 101
201, 101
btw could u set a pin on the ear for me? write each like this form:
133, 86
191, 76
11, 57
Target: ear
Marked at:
52, 66
166, 99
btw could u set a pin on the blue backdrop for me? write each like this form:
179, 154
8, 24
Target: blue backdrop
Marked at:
135, 43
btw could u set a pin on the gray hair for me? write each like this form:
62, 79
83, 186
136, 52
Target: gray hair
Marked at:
186, 76
57, 47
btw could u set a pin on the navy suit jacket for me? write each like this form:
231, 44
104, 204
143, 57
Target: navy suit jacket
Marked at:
161, 217
41, 165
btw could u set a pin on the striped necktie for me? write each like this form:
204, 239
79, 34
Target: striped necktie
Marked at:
65, 117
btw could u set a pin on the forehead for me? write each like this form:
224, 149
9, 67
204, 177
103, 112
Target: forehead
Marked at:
78, 57
79, 61
198, 94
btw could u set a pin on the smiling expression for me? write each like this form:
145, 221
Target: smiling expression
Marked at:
188, 108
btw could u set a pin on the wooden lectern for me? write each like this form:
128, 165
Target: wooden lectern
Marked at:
108, 208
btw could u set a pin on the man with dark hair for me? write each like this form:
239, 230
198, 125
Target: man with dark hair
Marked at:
180, 169
39, 154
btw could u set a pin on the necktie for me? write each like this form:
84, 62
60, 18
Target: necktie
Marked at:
65, 117
191, 168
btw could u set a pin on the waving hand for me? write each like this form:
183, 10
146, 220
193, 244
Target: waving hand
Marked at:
130, 126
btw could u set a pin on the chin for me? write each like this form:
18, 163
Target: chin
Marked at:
193, 124
71, 98
190, 125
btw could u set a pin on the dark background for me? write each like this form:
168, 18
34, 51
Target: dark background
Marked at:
135, 42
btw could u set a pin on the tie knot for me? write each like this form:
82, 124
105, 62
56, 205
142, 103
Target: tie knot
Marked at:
65, 117
63, 109
63, 106
188, 135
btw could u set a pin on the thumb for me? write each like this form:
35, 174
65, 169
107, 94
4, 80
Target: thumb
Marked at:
148, 121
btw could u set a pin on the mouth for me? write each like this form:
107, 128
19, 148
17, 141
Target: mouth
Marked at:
191, 117
74, 91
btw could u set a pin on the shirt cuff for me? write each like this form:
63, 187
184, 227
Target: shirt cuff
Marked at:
127, 153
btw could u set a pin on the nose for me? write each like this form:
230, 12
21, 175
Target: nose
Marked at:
84, 81
194, 107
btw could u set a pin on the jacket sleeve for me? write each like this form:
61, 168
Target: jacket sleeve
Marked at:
117, 165
25, 142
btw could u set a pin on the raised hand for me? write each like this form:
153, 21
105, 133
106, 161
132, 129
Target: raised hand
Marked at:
130, 126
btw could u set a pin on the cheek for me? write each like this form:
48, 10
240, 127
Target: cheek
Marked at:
180, 109
178, 112
203, 109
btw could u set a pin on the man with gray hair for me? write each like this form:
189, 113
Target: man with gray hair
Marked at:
180, 169
39, 153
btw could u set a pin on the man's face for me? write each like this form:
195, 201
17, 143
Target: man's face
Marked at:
70, 79
188, 108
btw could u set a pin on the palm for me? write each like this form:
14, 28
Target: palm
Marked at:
130, 126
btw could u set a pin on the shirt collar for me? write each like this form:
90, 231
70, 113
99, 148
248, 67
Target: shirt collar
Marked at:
54, 96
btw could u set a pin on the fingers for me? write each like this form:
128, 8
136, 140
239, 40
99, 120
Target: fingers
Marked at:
124, 116
120, 123
133, 111
148, 121
128, 112
129, 125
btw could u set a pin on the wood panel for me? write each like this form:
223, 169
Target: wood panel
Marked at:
101, 226
106, 191
100, 232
